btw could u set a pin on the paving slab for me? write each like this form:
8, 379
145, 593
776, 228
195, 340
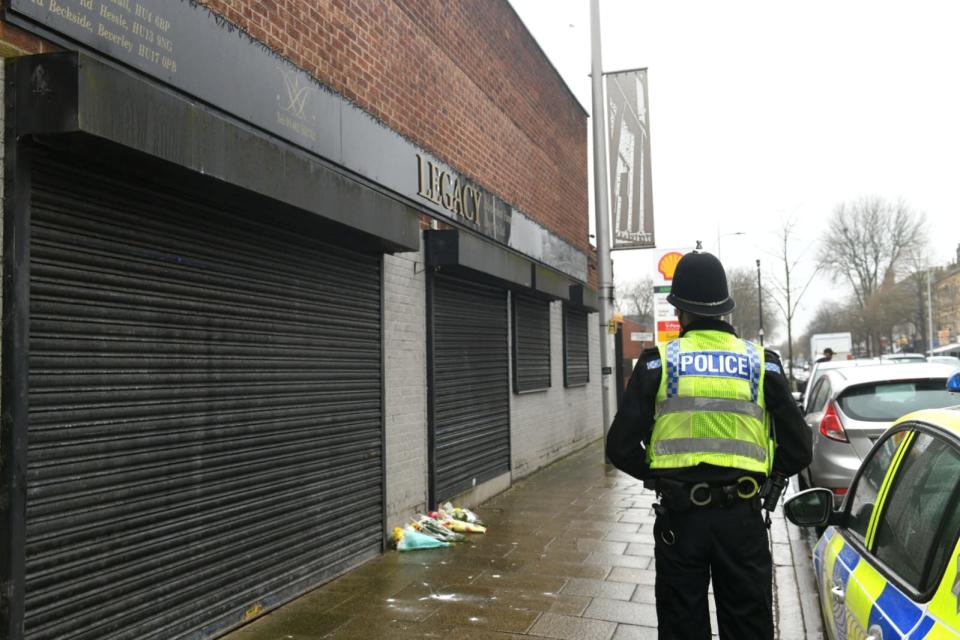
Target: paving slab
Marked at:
625, 612
569, 556
570, 628
599, 588
631, 632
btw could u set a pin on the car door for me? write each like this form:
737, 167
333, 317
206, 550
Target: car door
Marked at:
898, 553
835, 558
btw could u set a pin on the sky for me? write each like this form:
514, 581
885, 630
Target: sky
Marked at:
765, 111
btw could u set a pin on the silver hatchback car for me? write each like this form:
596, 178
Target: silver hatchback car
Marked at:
850, 407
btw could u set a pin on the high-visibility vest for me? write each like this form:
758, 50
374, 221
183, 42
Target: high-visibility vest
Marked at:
710, 406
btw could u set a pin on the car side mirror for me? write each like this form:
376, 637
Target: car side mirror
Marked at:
810, 508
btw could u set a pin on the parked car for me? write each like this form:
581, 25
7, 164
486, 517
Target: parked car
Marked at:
819, 368
887, 564
951, 360
850, 407
903, 357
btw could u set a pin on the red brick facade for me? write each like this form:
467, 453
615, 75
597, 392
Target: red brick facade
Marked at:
464, 80
16, 42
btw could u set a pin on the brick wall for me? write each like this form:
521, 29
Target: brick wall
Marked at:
546, 425
3, 208
16, 42
405, 385
464, 80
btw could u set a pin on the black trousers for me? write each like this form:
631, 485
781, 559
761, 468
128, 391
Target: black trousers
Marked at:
728, 543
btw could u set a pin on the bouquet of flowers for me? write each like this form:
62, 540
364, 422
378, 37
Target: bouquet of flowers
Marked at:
436, 529
463, 514
409, 539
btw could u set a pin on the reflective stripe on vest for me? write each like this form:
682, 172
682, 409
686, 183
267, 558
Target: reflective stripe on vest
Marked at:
724, 405
711, 445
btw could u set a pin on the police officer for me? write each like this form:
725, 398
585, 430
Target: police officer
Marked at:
708, 422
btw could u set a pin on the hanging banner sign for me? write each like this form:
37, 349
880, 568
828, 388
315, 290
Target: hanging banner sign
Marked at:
631, 190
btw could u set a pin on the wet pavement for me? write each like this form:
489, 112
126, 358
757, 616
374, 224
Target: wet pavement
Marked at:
568, 555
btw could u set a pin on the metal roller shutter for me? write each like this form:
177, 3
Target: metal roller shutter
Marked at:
470, 387
531, 343
204, 431
576, 352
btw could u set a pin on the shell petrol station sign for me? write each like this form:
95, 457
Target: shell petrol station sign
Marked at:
664, 315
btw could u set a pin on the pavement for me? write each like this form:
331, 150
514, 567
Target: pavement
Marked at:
568, 555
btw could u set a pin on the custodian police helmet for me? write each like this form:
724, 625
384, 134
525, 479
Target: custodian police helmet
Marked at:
700, 286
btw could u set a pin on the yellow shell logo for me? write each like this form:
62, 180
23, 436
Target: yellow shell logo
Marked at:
668, 264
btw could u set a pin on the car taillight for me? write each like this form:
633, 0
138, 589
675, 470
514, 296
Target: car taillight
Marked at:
830, 424
840, 491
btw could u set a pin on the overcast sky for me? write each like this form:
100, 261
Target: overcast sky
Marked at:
760, 110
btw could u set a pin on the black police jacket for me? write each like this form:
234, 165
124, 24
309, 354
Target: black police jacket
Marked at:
629, 435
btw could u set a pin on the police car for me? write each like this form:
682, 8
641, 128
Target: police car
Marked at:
887, 563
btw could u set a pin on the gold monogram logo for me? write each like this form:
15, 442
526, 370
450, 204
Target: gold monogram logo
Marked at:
297, 93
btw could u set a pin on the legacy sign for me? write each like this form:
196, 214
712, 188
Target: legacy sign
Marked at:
198, 52
446, 189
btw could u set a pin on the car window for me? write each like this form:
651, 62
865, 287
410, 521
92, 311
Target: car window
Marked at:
863, 493
815, 376
918, 504
820, 395
888, 400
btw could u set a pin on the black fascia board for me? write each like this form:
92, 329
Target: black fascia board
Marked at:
550, 284
459, 252
74, 93
584, 296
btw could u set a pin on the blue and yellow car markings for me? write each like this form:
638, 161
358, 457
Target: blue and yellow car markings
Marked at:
898, 609
872, 604
833, 614
850, 557
944, 607
870, 601
862, 593
922, 629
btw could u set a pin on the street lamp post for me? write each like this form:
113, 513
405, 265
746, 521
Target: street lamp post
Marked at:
724, 235
929, 313
604, 266
760, 302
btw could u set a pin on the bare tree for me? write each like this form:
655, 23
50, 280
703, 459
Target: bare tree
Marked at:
635, 298
745, 318
788, 289
868, 243
914, 286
